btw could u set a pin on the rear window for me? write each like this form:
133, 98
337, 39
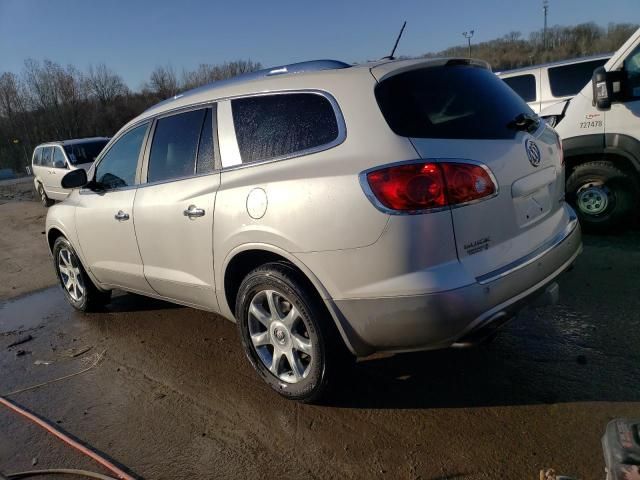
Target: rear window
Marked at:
84, 152
270, 126
523, 85
453, 102
568, 80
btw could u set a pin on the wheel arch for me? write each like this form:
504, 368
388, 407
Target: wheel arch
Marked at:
54, 232
240, 261
52, 235
622, 150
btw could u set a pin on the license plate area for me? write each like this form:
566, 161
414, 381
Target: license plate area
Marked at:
533, 206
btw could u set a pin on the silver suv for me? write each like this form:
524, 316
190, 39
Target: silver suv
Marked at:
330, 210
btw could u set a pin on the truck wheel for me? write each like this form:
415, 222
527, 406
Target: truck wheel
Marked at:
46, 201
288, 336
603, 195
78, 288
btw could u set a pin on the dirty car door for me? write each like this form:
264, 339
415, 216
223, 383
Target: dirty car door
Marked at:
174, 208
104, 215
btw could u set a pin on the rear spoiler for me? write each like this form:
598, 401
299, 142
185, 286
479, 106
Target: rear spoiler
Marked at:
387, 69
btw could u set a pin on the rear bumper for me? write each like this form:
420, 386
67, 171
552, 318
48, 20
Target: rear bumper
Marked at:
439, 320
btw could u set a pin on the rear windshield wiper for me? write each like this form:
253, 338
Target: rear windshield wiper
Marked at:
525, 121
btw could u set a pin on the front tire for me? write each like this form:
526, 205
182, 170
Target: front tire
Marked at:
76, 285
44, 199
287, 334
603, 195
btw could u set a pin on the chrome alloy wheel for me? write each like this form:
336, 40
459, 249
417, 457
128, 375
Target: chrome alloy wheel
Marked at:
593, 199
70, 274
280, 336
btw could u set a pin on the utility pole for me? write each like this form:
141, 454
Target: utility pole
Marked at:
545, 8
468, 36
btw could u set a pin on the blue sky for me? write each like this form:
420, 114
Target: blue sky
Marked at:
134, 36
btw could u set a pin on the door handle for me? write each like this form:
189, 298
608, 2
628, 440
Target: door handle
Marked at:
120, 216
193, 212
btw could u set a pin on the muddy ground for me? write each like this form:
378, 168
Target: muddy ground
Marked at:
174, 397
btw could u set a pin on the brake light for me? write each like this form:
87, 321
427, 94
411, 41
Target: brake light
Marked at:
427, 185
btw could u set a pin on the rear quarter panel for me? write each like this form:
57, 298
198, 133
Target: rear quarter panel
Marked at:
314, 202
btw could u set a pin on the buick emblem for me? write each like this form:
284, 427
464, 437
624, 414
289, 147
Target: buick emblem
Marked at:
533, 152
280, 336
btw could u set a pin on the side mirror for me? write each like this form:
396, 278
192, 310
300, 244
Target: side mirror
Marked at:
74, 179
602, 89
607, 87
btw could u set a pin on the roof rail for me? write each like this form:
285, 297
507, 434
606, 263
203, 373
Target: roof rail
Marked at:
293, 68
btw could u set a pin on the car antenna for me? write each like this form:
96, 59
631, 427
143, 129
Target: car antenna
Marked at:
391, 57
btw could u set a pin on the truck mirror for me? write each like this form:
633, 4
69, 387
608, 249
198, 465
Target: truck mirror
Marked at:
601, 89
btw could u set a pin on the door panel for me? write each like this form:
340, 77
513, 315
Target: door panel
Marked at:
177, 251
174, 215
104, 218
109, 245
45, 170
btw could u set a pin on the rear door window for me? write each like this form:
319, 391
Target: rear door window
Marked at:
452, 102
174, 146
47, 157
568, 80
523, 85
271, 126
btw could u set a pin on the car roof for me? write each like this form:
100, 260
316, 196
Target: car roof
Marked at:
285, 77
604, 56
74, 141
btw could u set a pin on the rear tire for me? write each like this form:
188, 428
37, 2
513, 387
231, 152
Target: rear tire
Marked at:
44, 200
76, 285
603, 195
288, 335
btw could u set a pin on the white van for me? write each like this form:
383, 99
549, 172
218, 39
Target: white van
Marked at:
544, 85
600, 129
52, 160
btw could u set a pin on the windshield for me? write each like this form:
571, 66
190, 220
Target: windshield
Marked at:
84, 152
458, 101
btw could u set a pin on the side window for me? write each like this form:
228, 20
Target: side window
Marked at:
37, 156
47, 160
205, 162
566, 80
632, 67
58, 158
523, 85
271, 126
118, 166
174, 147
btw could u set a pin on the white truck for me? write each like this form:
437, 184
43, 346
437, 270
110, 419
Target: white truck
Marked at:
600, 131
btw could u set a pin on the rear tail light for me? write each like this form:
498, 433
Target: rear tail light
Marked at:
427, 185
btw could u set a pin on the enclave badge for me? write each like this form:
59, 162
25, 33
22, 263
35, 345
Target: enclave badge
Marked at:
533, 152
